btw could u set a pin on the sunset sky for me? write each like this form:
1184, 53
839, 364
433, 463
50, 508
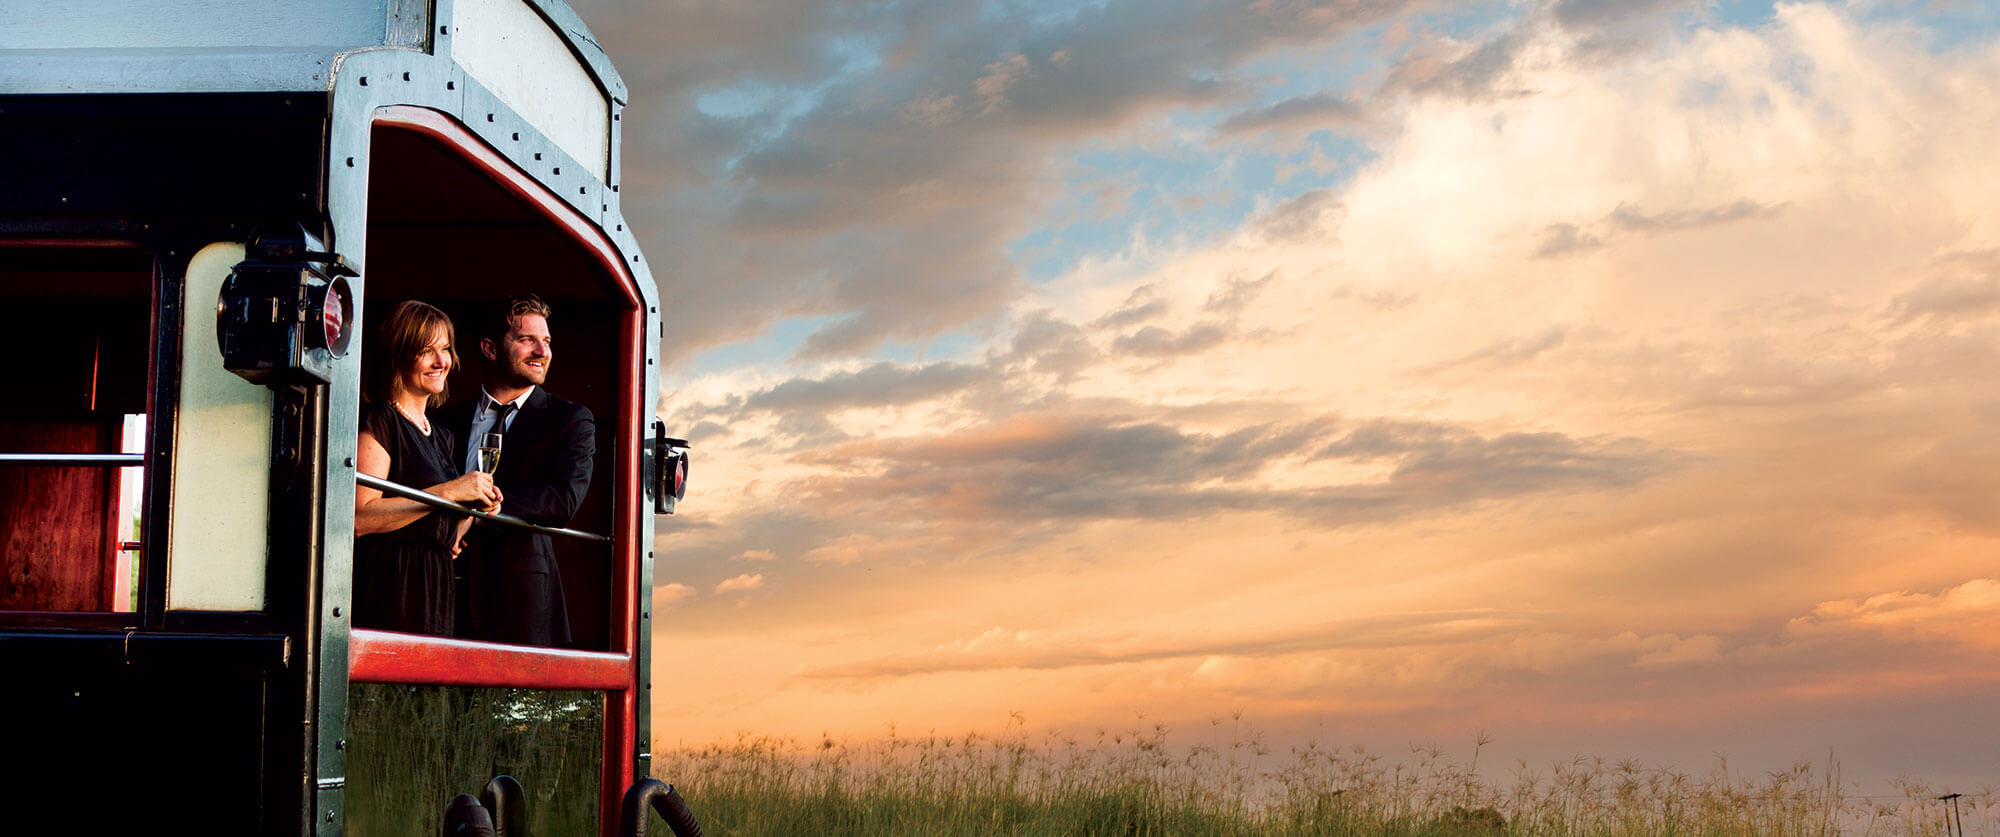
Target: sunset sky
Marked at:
1607, 377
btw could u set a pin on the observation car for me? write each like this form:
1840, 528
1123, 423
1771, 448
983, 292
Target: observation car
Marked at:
201, 205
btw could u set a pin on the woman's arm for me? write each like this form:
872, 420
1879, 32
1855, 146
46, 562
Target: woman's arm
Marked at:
375, 512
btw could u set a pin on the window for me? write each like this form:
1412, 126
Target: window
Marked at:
77, 317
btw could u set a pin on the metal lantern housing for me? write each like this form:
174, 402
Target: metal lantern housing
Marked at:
285, 313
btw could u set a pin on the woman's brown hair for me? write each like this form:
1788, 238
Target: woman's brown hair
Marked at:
404, 334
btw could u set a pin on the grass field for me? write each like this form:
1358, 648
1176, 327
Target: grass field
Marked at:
1145, 782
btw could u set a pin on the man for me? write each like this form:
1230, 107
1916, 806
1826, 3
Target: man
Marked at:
513, 589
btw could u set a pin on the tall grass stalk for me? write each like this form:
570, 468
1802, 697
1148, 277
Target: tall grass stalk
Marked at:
1137, 782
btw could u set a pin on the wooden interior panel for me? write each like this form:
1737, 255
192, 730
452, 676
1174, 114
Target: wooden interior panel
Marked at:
80, 321
56, 551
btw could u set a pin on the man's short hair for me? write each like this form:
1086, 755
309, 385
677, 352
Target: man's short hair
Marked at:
505, 314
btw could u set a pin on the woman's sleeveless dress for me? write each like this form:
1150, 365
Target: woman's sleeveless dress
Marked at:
402, 578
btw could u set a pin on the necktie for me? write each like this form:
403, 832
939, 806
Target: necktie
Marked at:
501, 412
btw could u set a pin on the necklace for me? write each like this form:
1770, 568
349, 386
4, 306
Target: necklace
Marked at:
422, 422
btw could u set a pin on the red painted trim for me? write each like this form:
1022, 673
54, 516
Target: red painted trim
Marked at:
442, 128
389, 657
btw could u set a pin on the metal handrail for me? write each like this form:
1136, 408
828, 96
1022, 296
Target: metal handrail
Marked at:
120, 460
436, 502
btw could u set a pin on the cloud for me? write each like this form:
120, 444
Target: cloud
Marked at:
1309, 213
1628, 217
1461, 71
1300, 114
1967, 286
881, 384
1507, 351
740, 584
1154, 341
870, 163
1144, 303
1967, 614
1049, 468
1564, 239
668, 595
754, 555
1237, 293
1000, 649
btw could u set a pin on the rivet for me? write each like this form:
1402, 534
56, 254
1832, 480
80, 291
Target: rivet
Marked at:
538, 154
350, 162
340, 745
329, 816
614, 187
444, 30
517, 136
451, 85
336, 613
350, 462
558, 169
579, 189
489, 117
621, 227
364, 81
406, 76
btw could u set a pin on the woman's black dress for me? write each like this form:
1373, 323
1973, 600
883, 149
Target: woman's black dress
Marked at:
402, 578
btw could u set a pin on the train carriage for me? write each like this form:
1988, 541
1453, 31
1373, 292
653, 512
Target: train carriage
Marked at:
201, 204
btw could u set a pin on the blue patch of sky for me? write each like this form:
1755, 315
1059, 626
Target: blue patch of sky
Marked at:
1037, 13
779, 103
1181, 193
1192, 187
772, 347
1742, 14
954, 346
1951, 24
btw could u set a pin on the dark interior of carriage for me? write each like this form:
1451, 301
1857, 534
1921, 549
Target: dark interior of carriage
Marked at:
442, 230
76, 321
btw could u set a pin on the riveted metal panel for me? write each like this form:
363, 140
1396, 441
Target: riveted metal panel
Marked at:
511, 49
153, 25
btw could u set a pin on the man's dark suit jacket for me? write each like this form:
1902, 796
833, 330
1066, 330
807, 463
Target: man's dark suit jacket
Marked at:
513, 588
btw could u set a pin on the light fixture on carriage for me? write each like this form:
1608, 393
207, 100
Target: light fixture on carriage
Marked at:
285, 312
670, 469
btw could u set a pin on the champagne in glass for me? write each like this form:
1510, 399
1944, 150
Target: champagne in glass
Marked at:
489, 452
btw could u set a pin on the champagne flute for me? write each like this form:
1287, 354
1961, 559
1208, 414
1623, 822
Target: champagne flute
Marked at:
489, 452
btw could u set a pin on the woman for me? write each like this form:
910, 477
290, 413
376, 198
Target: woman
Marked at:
403, 549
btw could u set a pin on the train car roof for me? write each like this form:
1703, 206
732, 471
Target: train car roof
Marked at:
146, 46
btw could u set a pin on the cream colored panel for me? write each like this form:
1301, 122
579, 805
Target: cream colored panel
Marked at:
510, 49
222, 460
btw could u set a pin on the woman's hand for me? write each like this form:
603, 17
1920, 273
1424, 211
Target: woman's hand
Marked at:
475, 489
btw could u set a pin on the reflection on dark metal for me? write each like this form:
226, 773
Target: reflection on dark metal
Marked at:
465, 818
655, 795
507, 802
436, 502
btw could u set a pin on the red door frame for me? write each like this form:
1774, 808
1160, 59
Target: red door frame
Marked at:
385, 657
